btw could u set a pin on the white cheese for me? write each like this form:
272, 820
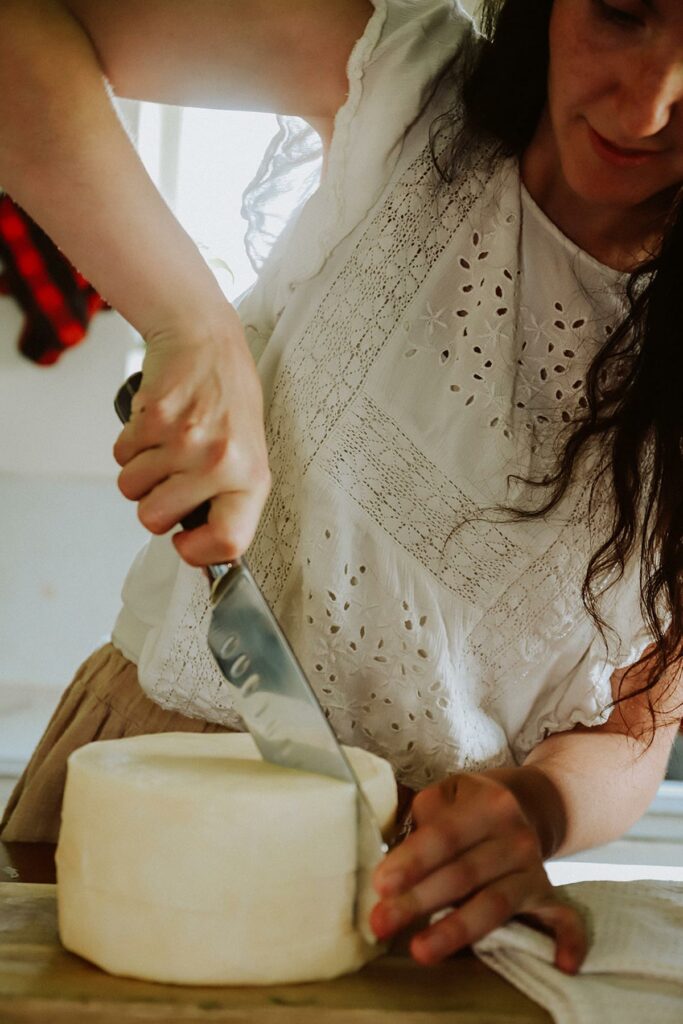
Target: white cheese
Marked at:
185, 858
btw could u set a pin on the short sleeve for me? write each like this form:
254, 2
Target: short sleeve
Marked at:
578, 688
390, 71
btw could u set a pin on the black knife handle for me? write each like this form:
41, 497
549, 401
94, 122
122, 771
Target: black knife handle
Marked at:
123, 403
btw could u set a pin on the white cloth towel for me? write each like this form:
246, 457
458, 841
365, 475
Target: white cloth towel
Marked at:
633, 973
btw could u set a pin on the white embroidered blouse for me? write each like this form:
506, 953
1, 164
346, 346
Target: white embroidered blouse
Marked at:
416, 348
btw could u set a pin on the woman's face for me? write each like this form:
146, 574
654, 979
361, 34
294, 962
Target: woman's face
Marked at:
616, 98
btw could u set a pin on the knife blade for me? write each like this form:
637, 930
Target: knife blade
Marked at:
270, 690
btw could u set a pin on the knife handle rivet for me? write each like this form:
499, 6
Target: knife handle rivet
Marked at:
228, 645
239, 666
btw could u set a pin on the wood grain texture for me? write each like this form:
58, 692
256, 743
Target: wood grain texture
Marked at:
41, 982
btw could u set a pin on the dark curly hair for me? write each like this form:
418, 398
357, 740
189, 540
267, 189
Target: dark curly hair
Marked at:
634, 386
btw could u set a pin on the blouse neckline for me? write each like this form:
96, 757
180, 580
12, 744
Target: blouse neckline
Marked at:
530, 205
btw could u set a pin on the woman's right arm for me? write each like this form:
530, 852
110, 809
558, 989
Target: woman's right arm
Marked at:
196, 432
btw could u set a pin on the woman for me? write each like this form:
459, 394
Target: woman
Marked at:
472, 411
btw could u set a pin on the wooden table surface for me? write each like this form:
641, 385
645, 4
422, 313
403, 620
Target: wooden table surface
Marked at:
41, 983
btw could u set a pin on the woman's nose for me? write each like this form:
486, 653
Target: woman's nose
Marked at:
649, 97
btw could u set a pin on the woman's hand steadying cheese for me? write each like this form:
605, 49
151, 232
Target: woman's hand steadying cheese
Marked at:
196, 434
475, 852
480, 840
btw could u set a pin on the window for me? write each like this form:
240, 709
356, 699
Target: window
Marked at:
202, 161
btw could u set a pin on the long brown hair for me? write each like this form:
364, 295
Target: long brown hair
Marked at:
634, 386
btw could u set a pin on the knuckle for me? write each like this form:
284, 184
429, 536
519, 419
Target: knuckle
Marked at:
239, 536
466, 875
425, 803
249, 467
215, 451
420, 804
567, 917
151, 519
185, 440
499, 905
124, 486
187, 553
434, 843
158, 412
455, 930
409, 905
231, 550
505, 804
123, 446
154, 412
228, 546
223, 456
195, 436
525, 847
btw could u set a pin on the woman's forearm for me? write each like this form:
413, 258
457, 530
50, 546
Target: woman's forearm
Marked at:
66, 158
197, 430
586, 787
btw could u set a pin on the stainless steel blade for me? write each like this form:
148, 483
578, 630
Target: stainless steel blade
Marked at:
279, 707
270, 690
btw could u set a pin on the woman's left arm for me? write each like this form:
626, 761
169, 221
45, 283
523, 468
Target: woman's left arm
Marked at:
480, 839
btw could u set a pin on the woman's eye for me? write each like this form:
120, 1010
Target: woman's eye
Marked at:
617, 15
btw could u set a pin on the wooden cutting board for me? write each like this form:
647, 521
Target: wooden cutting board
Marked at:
40, 983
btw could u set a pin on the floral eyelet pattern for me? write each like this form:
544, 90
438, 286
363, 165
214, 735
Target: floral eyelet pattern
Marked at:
439, 353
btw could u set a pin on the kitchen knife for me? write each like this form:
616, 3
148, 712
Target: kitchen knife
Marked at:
271, 692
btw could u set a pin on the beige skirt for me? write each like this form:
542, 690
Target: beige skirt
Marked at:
104, 702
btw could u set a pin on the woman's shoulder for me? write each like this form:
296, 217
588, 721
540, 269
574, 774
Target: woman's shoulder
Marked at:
438, 24
335, 169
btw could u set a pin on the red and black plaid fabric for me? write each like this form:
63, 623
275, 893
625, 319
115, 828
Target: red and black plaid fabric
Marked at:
57, 300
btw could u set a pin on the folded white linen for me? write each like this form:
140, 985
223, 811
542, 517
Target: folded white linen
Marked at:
633, 973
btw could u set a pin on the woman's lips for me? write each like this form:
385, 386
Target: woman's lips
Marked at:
617, 156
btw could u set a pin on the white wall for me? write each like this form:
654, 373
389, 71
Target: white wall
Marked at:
58, 420
67, 533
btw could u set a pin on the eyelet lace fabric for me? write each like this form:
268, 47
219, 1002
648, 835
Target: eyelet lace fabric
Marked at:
434, 354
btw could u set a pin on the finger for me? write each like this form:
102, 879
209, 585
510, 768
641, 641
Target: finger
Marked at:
146, 428
233, 519
488, 909
457, 880
170, 501
566, 925
181, 459
428, 848
197, 475
146, 471
432, 801
153, 421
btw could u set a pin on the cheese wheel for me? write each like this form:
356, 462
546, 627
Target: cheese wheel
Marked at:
185, 858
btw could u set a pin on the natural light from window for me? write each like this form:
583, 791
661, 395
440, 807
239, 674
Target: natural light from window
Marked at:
203, 160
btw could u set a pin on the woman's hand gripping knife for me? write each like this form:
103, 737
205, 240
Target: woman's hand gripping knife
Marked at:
196, 430
479, 841
195, 435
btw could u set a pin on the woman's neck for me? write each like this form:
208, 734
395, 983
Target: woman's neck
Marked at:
617, 237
